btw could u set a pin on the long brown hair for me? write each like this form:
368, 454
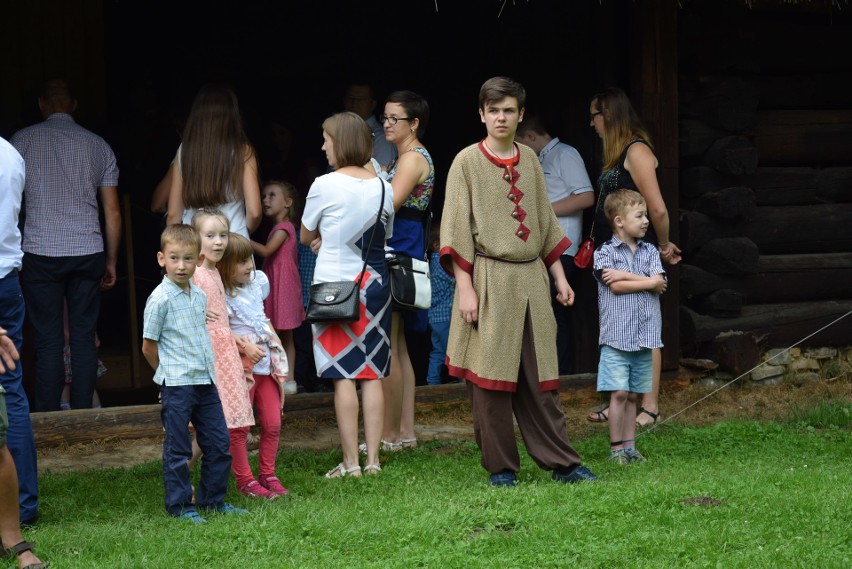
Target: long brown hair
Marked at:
621, 124
214, 149
238, 250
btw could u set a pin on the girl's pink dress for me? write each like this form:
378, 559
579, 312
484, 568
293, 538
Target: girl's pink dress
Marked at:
231, 381
284, 303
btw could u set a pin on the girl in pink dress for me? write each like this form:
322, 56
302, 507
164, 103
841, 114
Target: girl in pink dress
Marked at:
231, 381
281, 265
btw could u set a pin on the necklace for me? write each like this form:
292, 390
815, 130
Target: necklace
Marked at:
497, 155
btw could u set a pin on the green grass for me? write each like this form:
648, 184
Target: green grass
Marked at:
783, 492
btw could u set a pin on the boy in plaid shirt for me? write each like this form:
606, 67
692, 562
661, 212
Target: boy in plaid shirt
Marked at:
443, 288
630, 281
176, 343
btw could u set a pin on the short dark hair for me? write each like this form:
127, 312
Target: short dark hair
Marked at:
531, 123
416, 107
57, 92
498, 88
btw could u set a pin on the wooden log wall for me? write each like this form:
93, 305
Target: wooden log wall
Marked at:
766, 175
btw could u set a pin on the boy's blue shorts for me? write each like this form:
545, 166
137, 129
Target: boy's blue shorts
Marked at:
625, 371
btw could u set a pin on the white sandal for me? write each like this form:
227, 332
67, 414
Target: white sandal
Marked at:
372, 469
385, 446
407, 443
341, 471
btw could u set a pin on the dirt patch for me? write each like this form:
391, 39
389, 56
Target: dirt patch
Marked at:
683, 402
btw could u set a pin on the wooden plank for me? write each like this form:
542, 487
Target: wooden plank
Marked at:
143, 421
819, 323
728, 256
803, 137
135, 343
823, 228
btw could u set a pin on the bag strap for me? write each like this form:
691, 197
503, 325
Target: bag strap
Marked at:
594, 217
373, 235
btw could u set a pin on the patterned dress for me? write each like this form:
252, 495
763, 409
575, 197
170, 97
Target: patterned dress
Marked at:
409, 232
498, 225
343, 209
230, 380
284, 303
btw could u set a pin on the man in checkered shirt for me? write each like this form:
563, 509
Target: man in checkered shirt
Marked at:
67, 257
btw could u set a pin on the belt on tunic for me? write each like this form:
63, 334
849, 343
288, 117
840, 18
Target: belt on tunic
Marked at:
515, 261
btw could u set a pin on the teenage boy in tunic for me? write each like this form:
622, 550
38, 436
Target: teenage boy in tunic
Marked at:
499, 238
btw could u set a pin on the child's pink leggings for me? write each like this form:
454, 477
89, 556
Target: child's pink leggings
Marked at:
266, 399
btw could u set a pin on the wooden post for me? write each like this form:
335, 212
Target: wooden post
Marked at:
654, 69
135, 359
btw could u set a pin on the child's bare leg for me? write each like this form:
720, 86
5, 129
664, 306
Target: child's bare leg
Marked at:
617, 415
628, 432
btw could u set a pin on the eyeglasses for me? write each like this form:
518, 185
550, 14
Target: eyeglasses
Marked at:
393, 120
594, 114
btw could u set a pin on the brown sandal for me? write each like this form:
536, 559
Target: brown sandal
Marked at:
21, 547
598, 416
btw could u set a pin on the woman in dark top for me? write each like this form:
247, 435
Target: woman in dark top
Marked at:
629, 162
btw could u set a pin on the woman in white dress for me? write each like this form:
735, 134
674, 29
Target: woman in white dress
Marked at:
338, 222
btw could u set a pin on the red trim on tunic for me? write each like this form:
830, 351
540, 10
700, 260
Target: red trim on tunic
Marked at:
493, 384
463, 263
497, 161
557, 251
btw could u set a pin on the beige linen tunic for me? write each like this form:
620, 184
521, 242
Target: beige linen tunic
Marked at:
487, 223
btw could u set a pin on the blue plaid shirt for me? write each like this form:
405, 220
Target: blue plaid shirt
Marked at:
177, 321
443, 289
629, 322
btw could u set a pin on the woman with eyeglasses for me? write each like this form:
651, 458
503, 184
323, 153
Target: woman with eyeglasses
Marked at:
629, 162
412, 176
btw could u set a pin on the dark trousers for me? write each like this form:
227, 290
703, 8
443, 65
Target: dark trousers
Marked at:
540, 417
48, 283
564, 346
199, 404
19, 436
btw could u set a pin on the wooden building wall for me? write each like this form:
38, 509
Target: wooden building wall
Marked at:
136, 72
766, 175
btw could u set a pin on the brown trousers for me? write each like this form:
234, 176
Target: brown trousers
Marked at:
540, 417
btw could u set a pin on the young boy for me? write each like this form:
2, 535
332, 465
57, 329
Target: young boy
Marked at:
630, 279
500, 238
443, 287
177, 345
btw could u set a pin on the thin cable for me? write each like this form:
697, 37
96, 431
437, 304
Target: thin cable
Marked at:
714, 392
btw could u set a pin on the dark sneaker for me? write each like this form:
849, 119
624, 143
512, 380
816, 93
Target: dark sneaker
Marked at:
192, 516
577, 474
505, 478
634, 455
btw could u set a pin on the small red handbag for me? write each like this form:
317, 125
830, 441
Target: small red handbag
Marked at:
585, 253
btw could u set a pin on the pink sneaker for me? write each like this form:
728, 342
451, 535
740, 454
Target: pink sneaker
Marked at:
272, 484
254, 490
